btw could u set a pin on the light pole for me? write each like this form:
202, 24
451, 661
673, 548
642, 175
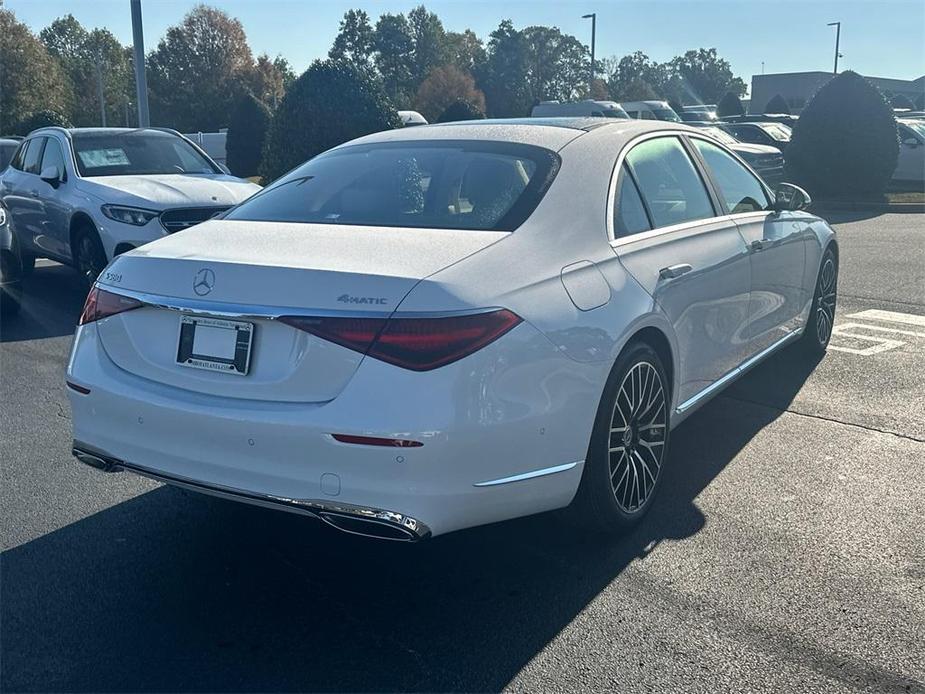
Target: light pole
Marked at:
99, 87
593, 18
141, 84
838, 55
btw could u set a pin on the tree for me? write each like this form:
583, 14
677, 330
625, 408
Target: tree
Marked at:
705, 77
82, 54
30, 78
444, 86
354, 41
901, 101
730, 105
535, 64
464, 50
41, 119
777, 104
845, 142
394, 47
285, 70
598, 90
197, 71
267, 82
635, 77
430, 49
330, 103
247, 131
460, 110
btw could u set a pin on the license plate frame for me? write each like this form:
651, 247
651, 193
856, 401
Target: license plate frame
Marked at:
237, 363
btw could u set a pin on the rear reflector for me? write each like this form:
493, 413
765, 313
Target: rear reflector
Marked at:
102, 304
419, 344
77, 388
375, 441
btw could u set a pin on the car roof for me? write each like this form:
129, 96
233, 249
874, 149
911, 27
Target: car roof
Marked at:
550, 133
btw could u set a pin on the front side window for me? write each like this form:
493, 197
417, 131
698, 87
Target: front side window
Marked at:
739, 190
33, 159
629, 212
53, 157
437, 184
669, 182
137, 152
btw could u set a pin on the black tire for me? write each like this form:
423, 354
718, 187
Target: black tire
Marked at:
620, 458
821, 319
10, 284
89, 256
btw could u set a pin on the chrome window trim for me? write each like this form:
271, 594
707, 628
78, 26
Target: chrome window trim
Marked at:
707, 182
663, 231
235, 311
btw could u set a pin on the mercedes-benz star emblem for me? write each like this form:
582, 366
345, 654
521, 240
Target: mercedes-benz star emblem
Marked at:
204, 281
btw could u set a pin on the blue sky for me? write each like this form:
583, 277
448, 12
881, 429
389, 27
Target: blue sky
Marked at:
884, 38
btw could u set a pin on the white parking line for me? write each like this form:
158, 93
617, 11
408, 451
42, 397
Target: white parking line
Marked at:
879, 343
890, 317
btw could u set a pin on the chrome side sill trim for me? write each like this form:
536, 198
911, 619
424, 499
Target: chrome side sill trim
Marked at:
716, 386
349, 518
529, 475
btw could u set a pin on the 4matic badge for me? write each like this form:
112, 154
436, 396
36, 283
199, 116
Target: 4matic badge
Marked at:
347, 299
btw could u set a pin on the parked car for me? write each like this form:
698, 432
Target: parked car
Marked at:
83, 196
768, 162
10, 274
411, 118
910, 167
699, 112
589, 107
8, 146
451, 325
651, 110
775, 135
782, 118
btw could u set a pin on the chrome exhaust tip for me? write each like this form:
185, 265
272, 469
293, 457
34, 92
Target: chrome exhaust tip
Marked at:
367, 527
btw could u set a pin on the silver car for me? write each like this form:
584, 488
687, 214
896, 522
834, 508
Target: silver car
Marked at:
84, 195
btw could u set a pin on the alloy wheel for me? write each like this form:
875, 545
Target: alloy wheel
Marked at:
825, 309
636, 445
87, 262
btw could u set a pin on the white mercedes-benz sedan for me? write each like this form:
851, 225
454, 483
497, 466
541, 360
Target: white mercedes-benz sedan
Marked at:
434, 328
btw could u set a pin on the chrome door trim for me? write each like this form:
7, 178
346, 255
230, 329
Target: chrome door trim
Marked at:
529, 475
718, 385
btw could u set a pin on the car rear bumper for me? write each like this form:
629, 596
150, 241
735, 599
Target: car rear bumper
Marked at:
498, 442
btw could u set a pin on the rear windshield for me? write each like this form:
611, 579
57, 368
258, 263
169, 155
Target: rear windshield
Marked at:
7, 150
439, 185
778, 131
137, 152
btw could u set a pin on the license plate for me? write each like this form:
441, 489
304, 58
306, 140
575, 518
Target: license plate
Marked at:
215, 345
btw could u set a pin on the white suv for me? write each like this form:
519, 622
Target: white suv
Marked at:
84, 195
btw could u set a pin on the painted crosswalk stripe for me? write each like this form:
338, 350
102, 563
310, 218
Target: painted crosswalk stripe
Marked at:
890, 317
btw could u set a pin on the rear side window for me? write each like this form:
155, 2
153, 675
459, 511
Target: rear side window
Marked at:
629, 211
669, 182
436, 184
33, 158
20, 155
739, 189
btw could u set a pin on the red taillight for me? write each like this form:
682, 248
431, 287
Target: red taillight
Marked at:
419, 344
102, 304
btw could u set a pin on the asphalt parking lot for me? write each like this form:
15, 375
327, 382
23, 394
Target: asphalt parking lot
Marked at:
785, 553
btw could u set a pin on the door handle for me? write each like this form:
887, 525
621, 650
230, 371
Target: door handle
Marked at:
667, 273
759, 244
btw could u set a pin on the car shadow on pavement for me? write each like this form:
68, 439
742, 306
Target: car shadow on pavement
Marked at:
53, 296
172, 591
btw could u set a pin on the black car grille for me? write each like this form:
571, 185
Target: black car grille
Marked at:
184, 217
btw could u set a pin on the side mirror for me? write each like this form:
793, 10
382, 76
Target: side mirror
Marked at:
788, 197
51, 175
911, 142
224, 168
